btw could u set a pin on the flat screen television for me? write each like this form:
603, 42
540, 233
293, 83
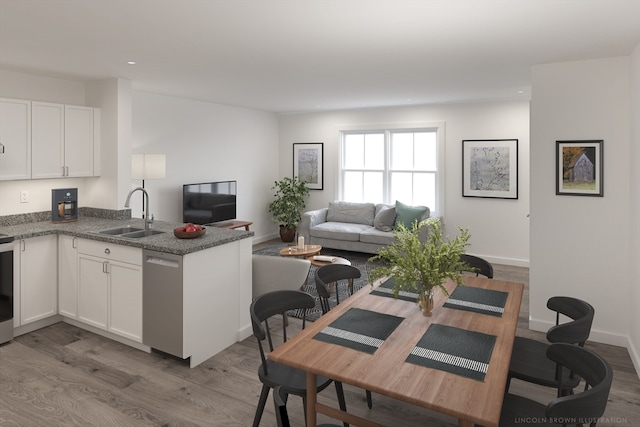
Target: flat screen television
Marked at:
209, 202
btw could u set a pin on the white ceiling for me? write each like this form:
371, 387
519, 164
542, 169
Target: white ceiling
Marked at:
306, 55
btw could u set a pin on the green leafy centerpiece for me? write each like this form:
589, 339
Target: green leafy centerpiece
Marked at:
420, 266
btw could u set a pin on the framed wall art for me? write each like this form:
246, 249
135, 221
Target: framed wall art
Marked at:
308, 163
490, 168
579, 168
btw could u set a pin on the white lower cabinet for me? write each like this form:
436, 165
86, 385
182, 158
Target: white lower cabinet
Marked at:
68, 276
110, 287
38, 278
125, 300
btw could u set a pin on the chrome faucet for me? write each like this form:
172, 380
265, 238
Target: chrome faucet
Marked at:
147, 221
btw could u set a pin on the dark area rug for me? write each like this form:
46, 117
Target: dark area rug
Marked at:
358, 259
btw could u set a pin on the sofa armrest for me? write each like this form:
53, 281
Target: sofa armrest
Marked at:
424, 231
311, 219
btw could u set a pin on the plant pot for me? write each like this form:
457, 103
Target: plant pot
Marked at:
426, 302
287, 234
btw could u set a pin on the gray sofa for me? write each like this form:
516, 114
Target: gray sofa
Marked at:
358, 227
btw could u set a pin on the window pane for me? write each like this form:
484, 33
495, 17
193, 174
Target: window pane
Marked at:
373, 187
383, 166
401, 188
402, 151
424, 190
374, 151
425, 151
352, 191
353, 151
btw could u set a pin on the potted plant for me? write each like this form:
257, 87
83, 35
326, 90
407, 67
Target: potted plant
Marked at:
420, 266
288, 204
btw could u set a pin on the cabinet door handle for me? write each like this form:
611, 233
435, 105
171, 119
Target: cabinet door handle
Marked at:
62, 170
107, 251
105, 267
74, 243
1, 148
23, 245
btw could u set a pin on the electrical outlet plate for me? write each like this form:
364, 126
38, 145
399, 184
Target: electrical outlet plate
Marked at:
24, 196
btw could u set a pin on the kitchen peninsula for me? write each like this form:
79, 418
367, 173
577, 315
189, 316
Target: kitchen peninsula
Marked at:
192, 293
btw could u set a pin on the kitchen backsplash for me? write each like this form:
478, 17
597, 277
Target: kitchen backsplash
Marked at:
18, 219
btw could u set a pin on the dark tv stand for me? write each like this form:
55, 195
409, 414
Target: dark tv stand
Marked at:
231, 224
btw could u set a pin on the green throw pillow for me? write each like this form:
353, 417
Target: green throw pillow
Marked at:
407, 215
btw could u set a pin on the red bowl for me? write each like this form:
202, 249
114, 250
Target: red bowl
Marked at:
189, 235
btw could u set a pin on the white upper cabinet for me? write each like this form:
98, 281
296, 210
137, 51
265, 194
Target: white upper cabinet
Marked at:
47, 140
15, 139
62, 138
78, 141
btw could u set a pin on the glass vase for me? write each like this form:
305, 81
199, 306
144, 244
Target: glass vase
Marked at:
426, 302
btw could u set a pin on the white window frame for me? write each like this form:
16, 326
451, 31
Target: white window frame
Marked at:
387, 129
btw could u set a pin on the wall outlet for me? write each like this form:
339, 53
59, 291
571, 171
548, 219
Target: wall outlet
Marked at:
24, 196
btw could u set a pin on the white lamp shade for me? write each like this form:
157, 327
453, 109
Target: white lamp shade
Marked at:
148, 166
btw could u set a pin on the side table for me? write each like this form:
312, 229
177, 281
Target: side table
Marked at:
309, 250
232, 224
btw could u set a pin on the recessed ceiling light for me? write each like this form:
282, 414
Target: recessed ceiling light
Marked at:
520, 91
131, 62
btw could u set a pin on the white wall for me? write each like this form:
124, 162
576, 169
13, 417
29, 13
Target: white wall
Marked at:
206, 142
41, 88
499, 227
634, 214
580, 245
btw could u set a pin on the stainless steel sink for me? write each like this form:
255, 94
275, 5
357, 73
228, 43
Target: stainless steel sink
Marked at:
141, 233
129, 232
120, 230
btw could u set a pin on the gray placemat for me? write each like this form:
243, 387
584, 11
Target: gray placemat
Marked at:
454, 350
360, 329
386, 290
478, 300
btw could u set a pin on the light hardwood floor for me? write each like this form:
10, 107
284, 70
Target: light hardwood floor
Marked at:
65, 376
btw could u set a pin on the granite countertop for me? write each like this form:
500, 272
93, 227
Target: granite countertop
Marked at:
87, 227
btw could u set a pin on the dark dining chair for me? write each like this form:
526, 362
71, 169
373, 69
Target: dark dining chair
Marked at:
528, 359
334, 273
584, 407
323, 293
477, 265
282, 415
272, 374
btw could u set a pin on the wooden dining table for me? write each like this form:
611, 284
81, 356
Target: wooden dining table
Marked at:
385, 368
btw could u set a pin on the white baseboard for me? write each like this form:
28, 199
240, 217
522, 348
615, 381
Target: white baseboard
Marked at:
635, 356
106, 334
244, 333
598, 336
504, 261
38, 324
262, 239
595, 335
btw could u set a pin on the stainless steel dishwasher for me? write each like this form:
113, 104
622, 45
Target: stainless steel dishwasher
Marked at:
162, 302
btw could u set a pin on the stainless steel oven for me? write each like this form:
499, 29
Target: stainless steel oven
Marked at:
6, 288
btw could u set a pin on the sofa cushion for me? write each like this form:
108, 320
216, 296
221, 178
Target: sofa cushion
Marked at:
356, 213
375, 236
385, 219
339, 231
407, 215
